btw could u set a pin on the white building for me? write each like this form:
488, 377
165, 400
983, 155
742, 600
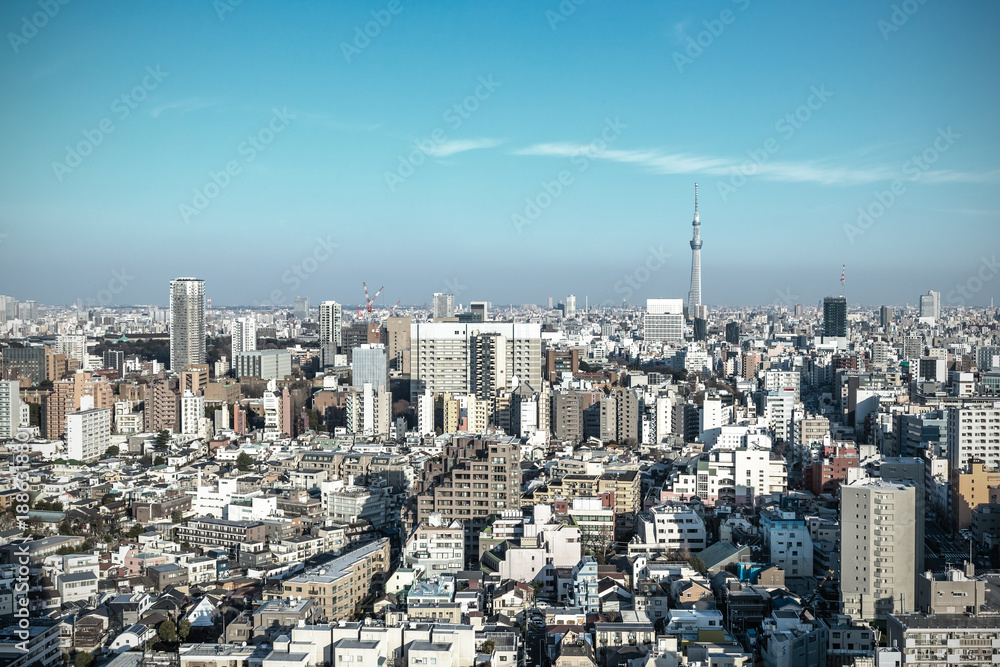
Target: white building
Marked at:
10, 408
664, 320
789, 543
244, 334
443, 355
192, 411
668, 528
88, 432
974, 432
436, 549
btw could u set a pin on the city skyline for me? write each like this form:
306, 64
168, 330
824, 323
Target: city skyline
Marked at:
235, 150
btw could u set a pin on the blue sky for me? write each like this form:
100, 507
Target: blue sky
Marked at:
630, 104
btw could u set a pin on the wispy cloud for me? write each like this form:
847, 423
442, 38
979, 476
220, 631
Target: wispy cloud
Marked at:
184, 106
820, 171
446, 148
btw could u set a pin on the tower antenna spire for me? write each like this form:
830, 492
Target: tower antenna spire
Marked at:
695, 201
843, 275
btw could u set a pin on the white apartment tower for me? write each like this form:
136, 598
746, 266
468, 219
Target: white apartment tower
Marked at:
330, 320
244, 333
10, 408
444, 305
187, 323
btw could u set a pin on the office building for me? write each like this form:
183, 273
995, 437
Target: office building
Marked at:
10, 408
444, 305
397, 342
570, 310
263, 364
694, 296
26, 362
664, 320
187, 323
733, 333
479, 308
244, 334
885, 317
300, 311
443, 356
882, 546
930, 305
835, 317
369, 365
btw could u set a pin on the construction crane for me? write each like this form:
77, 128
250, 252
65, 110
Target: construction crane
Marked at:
368, 301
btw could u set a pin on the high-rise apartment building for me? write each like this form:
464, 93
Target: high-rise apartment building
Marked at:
187, 322
444, 305
88, 433
475, 479
10, 408
161, 410
244, 334
974, 433
330, 321
443, 354
397, 342
881, 546
68, 396
664, 320
835, 317
479, 310
733, 333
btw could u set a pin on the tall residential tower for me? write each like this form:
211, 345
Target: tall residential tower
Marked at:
187, 323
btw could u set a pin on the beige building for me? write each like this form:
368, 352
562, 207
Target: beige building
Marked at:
66, 397
970, 488
340, 585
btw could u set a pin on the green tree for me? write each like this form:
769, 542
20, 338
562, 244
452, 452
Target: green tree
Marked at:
159, 461
135, 531
65, 528
167, 632
184, 629
112, 451
244, 462
162, 439
487, 647
83, 659
698, 565
177, 516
